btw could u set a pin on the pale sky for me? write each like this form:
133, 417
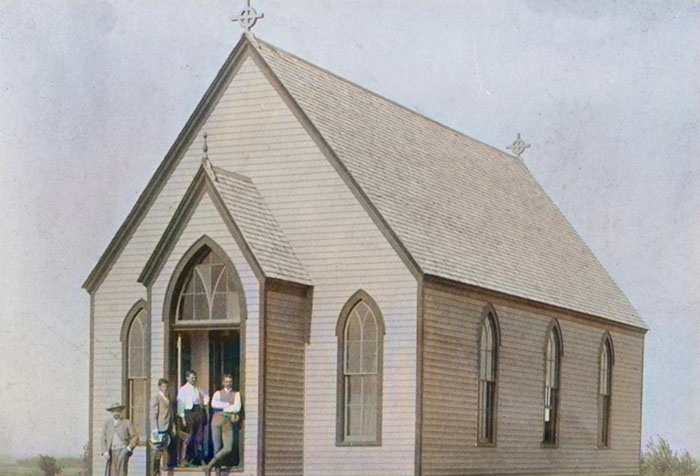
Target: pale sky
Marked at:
92, 95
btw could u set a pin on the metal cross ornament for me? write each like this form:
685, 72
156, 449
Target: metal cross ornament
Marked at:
248, 17
518, 146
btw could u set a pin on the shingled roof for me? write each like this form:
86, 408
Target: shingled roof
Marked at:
252, 223
460, 209
259, 228
463, 210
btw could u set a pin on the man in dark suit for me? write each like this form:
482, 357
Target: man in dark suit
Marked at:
161, 418
119, 438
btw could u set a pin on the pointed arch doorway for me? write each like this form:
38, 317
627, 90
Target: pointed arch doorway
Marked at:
206, 318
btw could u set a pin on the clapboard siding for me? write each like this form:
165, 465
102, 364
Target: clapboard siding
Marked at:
207, 220
253, 132
342, 250
112, 301
449, 407
111, 305
120, 290
286, 310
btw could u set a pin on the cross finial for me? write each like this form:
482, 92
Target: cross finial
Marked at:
206, 163
248, 17
518, 146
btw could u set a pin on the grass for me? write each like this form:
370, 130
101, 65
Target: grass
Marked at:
70, 466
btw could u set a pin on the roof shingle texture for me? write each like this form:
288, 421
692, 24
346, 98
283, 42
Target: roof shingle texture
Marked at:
259, 227
465, 211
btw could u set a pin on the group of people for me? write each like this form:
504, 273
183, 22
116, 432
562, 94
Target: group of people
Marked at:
188, 424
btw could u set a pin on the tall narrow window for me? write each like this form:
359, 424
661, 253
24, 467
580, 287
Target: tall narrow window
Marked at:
136, 371
360, 344
209, 293
605, 392
488, 369
552, 371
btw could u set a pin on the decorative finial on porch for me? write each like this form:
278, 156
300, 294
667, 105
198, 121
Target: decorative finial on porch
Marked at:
206, 163
248, 17
518, 146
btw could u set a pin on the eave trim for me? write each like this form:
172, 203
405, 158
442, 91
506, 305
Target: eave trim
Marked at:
200, 185
337, 163
167, 166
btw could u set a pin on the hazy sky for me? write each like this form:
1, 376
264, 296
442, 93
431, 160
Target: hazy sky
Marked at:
92, 95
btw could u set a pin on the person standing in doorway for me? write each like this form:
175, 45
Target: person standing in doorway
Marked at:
226, 405
192, 418
119, 438
161, 426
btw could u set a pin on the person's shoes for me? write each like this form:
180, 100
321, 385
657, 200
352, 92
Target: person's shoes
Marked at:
206, 469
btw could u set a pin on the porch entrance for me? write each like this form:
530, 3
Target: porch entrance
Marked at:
211, 353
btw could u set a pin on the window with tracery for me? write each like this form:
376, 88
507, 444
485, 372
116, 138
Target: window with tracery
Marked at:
209, 293
488, 369
136, 372
360, 375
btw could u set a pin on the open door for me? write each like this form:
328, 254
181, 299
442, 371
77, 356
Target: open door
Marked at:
205, 327
211, 354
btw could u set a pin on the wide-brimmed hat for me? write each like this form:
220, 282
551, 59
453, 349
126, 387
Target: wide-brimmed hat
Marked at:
159, 440
115, 406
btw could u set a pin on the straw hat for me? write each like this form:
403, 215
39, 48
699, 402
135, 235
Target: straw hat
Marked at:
115, 406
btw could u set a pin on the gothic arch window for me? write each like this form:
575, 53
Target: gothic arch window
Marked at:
489, 341
209, 292
360, 332
605, 390
204, 312
552, 380
135, 341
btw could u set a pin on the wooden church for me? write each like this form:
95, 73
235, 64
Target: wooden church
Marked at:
391, 296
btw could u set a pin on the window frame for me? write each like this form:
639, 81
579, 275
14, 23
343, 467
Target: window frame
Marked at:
489, 410
191, 271
140, 312
172, 327
605, 400
346, 312
554, 330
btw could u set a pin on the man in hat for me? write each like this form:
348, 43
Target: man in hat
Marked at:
161, 426
119, 438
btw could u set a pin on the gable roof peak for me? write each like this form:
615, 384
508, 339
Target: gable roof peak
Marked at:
457, 208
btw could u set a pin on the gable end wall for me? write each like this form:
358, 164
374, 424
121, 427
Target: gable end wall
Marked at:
253, 132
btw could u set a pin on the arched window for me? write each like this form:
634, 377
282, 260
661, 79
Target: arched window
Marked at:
360, 334
210, 292
135, 340
488, 371
605, 391
552, 378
